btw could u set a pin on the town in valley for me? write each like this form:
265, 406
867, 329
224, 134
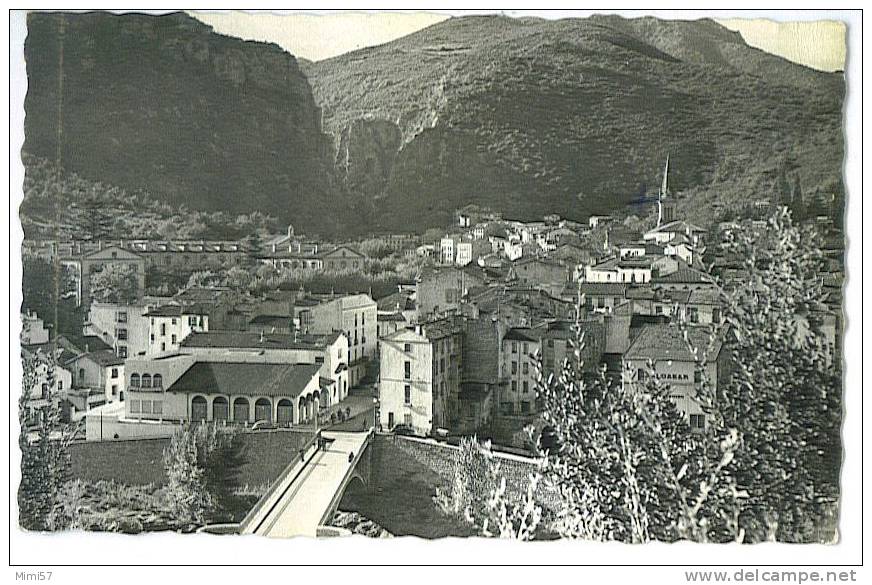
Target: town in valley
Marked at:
255, 372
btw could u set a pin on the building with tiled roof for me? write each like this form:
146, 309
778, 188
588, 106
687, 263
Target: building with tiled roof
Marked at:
239, 392
666, 351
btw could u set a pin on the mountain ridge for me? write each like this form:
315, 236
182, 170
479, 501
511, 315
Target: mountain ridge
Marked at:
526, 116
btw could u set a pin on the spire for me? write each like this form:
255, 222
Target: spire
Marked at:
663, 190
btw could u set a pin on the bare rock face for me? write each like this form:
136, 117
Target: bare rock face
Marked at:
366, 153
164, 104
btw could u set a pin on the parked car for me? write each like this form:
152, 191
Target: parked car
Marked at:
403, 429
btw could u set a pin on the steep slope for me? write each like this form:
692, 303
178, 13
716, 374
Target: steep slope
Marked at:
572, 116
166, 105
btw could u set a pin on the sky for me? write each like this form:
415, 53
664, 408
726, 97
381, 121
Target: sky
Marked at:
818, 44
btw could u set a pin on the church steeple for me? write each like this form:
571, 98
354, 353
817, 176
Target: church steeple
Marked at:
664, 188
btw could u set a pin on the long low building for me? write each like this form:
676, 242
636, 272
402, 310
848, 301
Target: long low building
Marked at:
238, 392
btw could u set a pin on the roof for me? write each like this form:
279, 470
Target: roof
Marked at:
249, 340
675, 296
394, 301
704, 296
667, 342
640, 293
103, 357
62, 354
391, 317
520, 334
251, 379
172, 311
604, 288
684, 274
187, 246
283, 320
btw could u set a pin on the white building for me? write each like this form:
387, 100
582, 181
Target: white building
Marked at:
125, 328
33, 329
463, 254
169, 325
419, 376
328, 351
357, 316
446, 250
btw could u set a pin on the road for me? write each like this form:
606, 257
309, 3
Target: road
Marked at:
308, 497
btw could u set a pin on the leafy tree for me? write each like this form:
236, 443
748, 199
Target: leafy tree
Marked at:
44, 443
115, 283
49, 291
625, 463
202, 465
187, 496
785, 391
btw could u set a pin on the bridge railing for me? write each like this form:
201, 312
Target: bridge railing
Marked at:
337, 497
261, 510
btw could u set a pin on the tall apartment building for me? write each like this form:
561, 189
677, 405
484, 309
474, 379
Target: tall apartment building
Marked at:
357, 316
420, 376
123, 327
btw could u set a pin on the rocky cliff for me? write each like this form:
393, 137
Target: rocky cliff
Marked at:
166, 105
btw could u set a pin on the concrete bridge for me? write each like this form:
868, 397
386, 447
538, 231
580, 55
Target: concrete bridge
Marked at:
305, 496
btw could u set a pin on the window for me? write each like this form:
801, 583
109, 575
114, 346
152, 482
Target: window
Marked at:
134, 380
135, 407
716, 315
514, 386
114, 373
697, 421
526, 368
163, 346
514, 347
157, 381
121, 334
114, 390
514, 368
60, 384
658, 310
526, 348
407, 394
174, 321
121, 316
640, 374
694, 315
550, 343
525, 407
157, 407
173, 338
407, 373
122, 351
697, 377
407, 419
163, 329
146, 381
525, 386
319, 359
407, 347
